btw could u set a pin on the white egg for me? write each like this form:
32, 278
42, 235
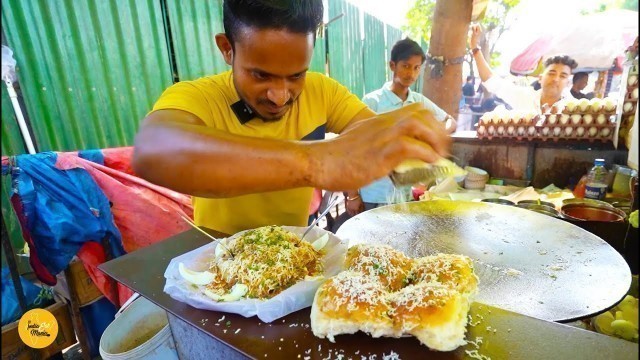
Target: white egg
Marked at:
580, 131
593, 131
481, 130
588, 118
521, 130
552, 119
627, 107
632, 80
564, 119
609, 104
557, 131
634, 94
491, 130
511, 129
517, 119
495, 118
568, 131
575, 119
500, 130
595, 104
583, 104
601, 119
528, 117
545, 131
605, 132
531, 130
571, 105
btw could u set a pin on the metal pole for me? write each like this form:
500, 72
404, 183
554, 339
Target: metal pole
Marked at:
18, 111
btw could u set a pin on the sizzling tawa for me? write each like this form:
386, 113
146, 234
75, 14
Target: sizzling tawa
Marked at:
527, 262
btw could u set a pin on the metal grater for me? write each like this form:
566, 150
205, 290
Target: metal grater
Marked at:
426, 173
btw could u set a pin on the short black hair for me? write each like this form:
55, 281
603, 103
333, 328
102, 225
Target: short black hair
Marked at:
293, 15
561, 59
406, 48
579, 76
469, 77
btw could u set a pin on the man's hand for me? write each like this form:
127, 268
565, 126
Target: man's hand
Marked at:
369, 149
474, 35
355, 206
450, 124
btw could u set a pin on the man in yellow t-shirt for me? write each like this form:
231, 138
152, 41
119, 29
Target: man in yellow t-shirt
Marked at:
248, 143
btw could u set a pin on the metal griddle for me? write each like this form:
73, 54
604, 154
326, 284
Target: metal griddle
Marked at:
201, 334
527, 262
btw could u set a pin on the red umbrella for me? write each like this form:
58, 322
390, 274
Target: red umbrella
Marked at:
594, 41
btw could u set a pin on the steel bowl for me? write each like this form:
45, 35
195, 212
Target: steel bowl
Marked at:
587, 212
499, 201
586, 201
537, 202
542, 209
623, 204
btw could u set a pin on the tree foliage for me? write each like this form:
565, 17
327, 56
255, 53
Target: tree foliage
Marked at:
612, 4
420, 22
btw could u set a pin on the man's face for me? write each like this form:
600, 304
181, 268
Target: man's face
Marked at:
406, 72
269, 68
554, 79
581, 83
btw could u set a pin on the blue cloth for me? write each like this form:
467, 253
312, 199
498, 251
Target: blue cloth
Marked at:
10, 306
94, 155
63, 209
384, 100
96, 317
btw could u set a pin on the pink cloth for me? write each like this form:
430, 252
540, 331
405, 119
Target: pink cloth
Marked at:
143, 212
316, 199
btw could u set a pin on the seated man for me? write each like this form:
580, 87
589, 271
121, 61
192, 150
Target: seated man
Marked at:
553, 80
407, 58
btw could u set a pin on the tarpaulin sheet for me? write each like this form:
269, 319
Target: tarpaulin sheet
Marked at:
594, 41
67, 205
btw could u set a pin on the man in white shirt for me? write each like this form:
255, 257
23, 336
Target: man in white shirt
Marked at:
553, 80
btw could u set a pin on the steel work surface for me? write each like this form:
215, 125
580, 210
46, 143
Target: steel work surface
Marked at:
515, 336
562, 272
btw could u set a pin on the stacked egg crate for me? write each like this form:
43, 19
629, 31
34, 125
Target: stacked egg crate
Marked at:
580, 120
577, 120
630, 100
508, 124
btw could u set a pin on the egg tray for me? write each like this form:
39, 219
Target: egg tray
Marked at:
539, 133
588, 110
574, 134
506, 122
548, 119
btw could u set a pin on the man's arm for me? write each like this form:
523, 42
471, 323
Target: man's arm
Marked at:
517, 96
484, 69
174, 149
449, 122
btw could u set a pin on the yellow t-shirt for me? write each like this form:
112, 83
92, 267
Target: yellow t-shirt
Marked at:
323, 106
